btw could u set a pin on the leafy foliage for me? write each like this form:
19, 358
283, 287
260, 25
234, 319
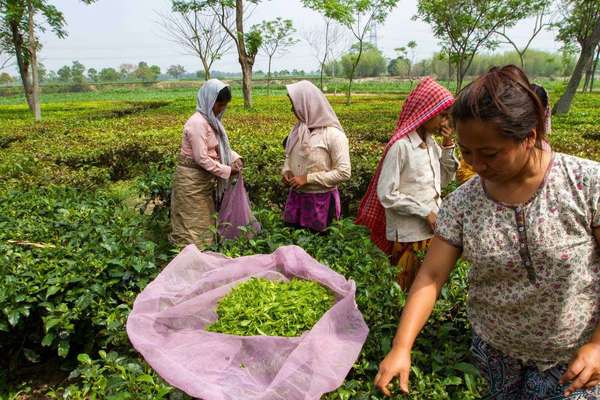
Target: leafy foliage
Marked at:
113, 376
276, 35
68, 261
74, 250
466, 26
271, 308
371, 63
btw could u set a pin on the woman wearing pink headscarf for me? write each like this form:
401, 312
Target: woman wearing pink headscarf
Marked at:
404, 196
317, 160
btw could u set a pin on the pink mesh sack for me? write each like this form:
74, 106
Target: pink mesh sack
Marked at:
168, 318
235, 212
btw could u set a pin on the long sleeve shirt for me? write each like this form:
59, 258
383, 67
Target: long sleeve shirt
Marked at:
201, 144
410, 185
326, 164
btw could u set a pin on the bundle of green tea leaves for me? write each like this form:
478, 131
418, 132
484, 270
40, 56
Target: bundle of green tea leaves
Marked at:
263, 307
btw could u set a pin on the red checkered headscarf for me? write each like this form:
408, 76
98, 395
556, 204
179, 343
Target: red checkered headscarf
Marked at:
426, 101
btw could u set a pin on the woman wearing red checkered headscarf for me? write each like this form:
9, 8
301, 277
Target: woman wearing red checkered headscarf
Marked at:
404, 195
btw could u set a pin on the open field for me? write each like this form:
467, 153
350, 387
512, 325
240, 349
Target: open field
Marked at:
83, 223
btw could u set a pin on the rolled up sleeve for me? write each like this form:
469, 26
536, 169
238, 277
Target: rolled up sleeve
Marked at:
197, 137
339, 152
388, 186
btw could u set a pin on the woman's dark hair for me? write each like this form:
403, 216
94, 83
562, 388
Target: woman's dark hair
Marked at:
541, 93
504, 97
224, 95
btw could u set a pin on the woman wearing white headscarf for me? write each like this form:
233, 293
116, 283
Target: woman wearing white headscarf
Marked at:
317, 160
206, 162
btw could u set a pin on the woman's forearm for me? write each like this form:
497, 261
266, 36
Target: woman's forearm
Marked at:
432, 276
418, 308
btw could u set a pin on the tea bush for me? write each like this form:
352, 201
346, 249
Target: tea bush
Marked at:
74, 250
70, 265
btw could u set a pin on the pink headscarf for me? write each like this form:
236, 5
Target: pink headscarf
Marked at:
313, 111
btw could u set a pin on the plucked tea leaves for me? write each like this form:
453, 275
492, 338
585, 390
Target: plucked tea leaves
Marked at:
263, 307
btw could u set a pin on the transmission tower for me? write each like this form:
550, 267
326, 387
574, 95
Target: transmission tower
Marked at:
373, 35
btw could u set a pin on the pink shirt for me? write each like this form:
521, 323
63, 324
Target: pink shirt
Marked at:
201, 144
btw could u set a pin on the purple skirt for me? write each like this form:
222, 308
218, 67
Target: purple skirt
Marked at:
312, 210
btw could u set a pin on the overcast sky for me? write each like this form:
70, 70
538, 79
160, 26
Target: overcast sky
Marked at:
112, 32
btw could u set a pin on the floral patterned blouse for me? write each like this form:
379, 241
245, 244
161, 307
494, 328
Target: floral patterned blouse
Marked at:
534, 284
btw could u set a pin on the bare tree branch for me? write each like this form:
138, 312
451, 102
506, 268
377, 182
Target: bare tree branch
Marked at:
199, 33
6, 60
540, 23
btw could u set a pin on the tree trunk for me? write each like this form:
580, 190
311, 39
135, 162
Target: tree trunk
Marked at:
595, 66
349, 94
588, 74
459, 75
322, 68
522, 59
449, 70
37, 111
22, 63
247, 85
206, 67
333, 77
321, 77
269, 78
245, 61
564, 103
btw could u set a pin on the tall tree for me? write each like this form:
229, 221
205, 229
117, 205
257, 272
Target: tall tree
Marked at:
403, 63
176, 71
595, 67
147, 73
542, 13
77, 73
18, 36
109, 75
126, 71
64, 74
359, 16
246, 43
33, 49
276, 38
411, 45
372, 63
588, 73
198, 32
92, 74
322, 41
466, 26
580, 24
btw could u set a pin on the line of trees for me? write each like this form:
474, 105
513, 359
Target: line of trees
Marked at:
78, 74
210, 28
536, 63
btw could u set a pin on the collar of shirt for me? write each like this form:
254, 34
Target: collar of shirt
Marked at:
416, 141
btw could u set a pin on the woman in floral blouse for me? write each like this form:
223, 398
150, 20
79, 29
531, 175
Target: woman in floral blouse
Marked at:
529, 224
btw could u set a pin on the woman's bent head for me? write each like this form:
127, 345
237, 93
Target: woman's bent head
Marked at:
223, 99
500, 122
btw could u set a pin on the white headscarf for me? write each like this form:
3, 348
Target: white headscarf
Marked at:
205, 100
